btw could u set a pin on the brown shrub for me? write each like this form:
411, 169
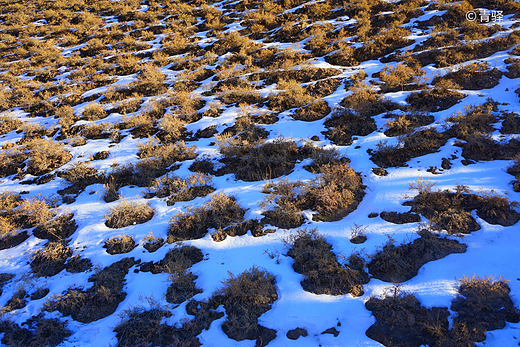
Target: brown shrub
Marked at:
50, 260
365, 101
293, 95
451, 211
343, 124
39, 332
400, 263
219, 212
400, 218
57, 229
150, 81
314, 111
409, 146
406, 123
333, 194
8, 123
475, 120
176, 261
434, 100
181, 189
264, 161
100, 300
473, 77
182, 287
483, 304
36, 157
93, 111
402, 321
119, 244
245, 298
128, 213
313, 257
152, 243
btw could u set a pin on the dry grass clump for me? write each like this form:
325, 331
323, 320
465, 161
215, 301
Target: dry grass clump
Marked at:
17, 214
434, 100
400, 263
182, 287
128, 213
409, 146
8, 123
406, 123
402, 321
293, 95
333, 194
483, 304
93, 111
264, 161
219, 212
57, 229
245, 298
39, 332
451, 210
142, 327
177, 260
100, 300
36, 157
156, 160
511, 123
475, 120
180, 189
152, 243
343, 124
80, 175
150, 81
398, 77
484, 147
366, 102
4, 279
400, 218
119, 244
473, 77
313, 257
16, 302
312, 112
50, 260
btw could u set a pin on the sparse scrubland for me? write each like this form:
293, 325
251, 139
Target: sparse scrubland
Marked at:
198, 173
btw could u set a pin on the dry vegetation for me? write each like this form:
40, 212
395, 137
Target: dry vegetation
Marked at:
313, 257
173, 74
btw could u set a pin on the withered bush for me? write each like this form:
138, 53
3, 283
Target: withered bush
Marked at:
409, 146
219, 212
451, 210
333, 194
8, 123
406, 123
400, 263
292, 95
119, 244
245, 298
39, 332
181, 189
128, 213
36, 157
313, 257
473, 77
343, 124
264, 161
365, 101
434, 100
99, 301
50, 260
